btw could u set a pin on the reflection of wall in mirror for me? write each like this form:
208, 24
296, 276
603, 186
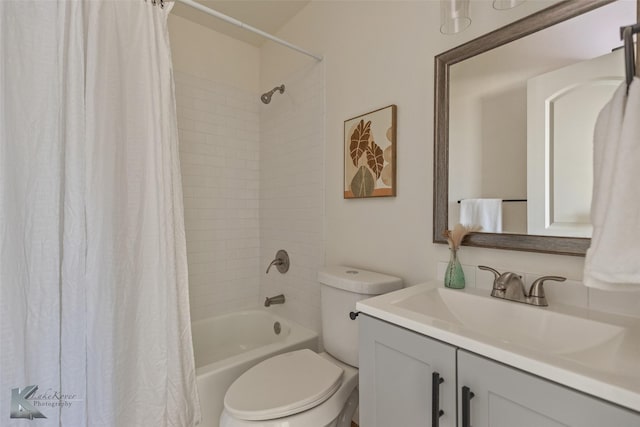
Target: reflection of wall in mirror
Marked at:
488, 158
563, 106
488, 107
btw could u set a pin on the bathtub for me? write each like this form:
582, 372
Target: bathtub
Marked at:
226, 346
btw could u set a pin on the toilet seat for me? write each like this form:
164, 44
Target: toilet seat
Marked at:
283, 385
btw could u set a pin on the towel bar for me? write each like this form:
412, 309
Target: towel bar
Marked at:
508, 200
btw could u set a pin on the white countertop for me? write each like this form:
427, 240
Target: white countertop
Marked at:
609, 370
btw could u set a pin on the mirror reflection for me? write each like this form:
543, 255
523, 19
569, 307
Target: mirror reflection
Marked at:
521, 119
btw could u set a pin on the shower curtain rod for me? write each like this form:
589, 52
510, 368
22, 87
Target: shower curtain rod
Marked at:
247, 27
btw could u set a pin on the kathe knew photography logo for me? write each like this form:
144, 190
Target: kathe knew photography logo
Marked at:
21, 407
26, 403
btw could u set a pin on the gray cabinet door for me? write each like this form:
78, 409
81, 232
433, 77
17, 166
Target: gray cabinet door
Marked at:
507, 397
396, 377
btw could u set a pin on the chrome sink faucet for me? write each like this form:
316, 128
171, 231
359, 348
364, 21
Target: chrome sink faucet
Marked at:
510, 286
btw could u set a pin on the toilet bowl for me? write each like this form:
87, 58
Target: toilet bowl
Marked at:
304, 388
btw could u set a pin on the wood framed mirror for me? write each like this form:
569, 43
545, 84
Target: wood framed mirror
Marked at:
564, 11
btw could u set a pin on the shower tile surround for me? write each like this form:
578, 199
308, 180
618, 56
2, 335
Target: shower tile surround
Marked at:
219, 155
253, 182
292, 193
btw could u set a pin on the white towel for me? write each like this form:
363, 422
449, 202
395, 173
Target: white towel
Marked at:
613, 260
486, 213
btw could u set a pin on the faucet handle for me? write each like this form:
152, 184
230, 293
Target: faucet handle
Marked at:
495, 272
536, 292
498, 288
281, 262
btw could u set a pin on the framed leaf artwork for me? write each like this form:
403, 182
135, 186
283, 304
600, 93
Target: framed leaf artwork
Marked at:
370, 154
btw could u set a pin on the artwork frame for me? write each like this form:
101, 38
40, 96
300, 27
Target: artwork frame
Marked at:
370, 154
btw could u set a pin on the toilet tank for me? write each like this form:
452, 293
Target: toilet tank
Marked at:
341, 287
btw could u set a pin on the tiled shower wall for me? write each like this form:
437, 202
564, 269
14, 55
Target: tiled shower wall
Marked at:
219, 156
292, 193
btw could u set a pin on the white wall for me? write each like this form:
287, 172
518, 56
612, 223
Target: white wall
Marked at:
207, 54
381, 53
218, 119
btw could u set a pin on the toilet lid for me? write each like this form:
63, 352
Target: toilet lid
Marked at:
283, 385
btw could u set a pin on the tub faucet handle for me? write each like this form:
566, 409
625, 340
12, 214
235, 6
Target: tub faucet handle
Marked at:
274, 262
281, 262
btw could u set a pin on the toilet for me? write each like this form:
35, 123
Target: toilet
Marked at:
303, 388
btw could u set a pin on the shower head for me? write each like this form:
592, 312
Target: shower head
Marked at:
266, 97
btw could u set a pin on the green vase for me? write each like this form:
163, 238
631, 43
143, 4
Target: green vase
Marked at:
454, 276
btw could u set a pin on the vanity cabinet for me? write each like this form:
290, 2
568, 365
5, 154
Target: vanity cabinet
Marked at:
400, 377
397, 388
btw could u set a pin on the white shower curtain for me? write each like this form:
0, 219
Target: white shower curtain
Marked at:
94, 307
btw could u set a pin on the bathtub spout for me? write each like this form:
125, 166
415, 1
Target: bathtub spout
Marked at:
278, 299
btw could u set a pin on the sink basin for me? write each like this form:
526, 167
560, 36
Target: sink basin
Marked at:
508, 322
